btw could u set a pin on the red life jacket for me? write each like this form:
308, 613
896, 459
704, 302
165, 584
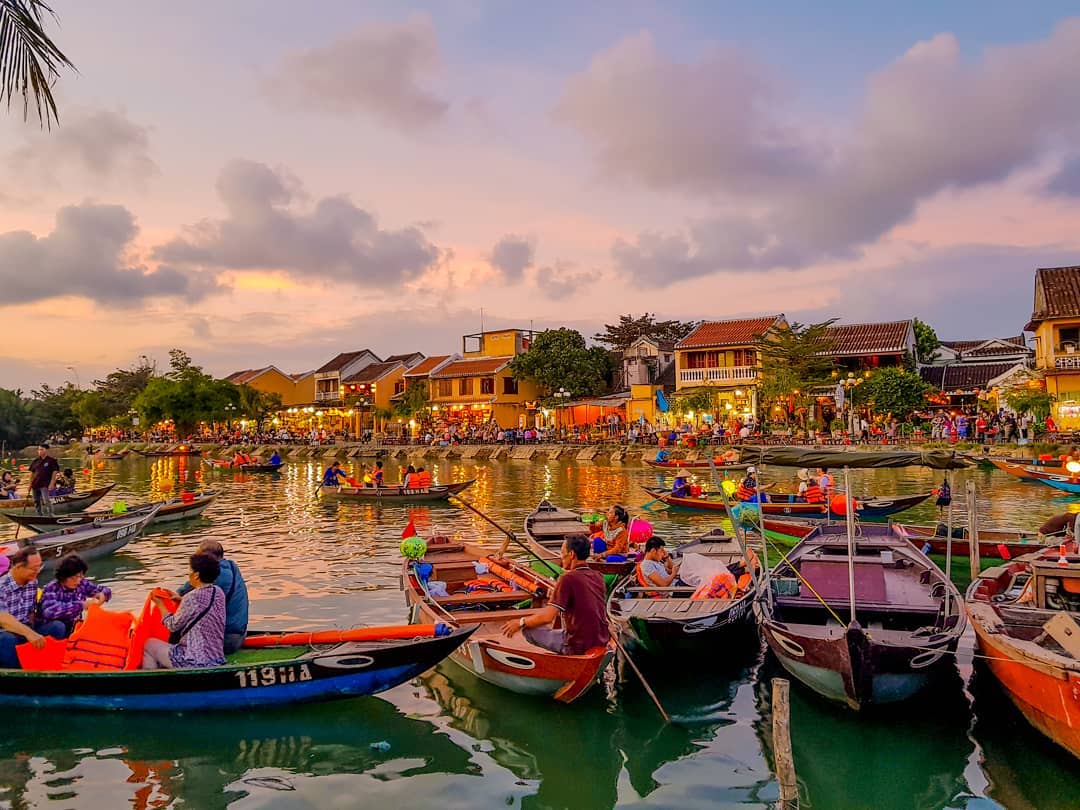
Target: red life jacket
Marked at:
744, 493
813, 494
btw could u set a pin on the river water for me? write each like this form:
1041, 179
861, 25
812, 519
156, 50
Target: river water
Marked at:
456, 742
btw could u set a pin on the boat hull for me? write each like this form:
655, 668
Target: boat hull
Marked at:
61, 504
679, 464
870, 509
170, 511
730, 629
394, 494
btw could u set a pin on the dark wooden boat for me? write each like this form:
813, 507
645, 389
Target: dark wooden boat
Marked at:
256, 466
395, 494
993, 543
169, 511
179, 451
666, 621
61, 504
1024, 614
90, 541
866, 509
297, 674
547, 526
511, 663
683, 464
906, 625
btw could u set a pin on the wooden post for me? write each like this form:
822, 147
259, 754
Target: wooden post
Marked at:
781, 734
973, 531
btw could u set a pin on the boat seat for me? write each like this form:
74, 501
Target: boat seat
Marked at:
484, 598
841, 605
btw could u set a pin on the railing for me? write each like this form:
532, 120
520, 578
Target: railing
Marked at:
723, 374
327, 396
1067, 361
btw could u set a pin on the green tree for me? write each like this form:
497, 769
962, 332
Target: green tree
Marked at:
120, 388
91, 410
794, 361
52, 411
696, 400
16, 420
629, 328
414, 401
185, 395
1034, 401
926, 342
559, 358
894, 392
258, 405
30, 61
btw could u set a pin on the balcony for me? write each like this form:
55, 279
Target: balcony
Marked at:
1067, 362
328, 396
724, 374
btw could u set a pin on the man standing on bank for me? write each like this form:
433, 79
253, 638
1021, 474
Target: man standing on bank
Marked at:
579, 598
44, 471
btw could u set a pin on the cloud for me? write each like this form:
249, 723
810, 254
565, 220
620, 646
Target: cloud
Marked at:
262, 230
376, 71
101, 143
85, 256
512, 255
787, 195
1066, 182
559, 281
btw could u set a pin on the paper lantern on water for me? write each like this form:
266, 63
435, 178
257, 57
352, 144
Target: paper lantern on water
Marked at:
86, 471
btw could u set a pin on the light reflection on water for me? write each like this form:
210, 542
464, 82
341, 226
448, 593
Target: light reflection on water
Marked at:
457, 742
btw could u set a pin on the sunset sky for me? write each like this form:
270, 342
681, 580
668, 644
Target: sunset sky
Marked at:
273, 182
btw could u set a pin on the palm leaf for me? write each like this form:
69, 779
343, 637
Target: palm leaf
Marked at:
29, 61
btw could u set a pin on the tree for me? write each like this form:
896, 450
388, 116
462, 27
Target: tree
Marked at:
1034, 401
794, 361
119, 389
91, 410
258, 405
30, 61
620, 336
559, 358
414, 401
15, 419
185, 395
926, 342
697, 400
52, 411
894, 392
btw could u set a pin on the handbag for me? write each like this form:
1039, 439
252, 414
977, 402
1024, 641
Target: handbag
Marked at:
176, 635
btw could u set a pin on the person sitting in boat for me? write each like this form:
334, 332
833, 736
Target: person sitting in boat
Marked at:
657, 568
680, 487
240, 459
367, 478
65, 483
662, 455
730, 456
423, 478
334, 475
19, 619
809, 491
408, 480
9, 487
232, 584
580, 597
377, 474
944, 495
613, 544
275, 458
747, 491
825, 481
65, 598
198, 624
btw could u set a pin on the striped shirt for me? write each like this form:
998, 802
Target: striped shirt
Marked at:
66, 604
16, 600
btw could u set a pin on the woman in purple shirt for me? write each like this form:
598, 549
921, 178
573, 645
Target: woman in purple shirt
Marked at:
197, 627
65, 598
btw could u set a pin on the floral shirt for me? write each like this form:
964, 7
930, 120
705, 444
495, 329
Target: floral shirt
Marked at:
66, 604
203, 645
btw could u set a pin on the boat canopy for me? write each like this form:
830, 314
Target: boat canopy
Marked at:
822, 457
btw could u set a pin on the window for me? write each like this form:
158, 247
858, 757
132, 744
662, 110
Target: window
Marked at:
510, 385
446, 388
1069, 335
487, 385
399, 387
465, 386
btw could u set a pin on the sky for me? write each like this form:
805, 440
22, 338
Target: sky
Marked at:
261, 185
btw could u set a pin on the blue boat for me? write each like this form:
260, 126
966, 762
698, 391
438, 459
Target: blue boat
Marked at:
251, 678
1071, 485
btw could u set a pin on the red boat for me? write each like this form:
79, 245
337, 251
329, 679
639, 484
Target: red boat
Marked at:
865, 509
1024, 614
512, 663
700, 464
1028, 471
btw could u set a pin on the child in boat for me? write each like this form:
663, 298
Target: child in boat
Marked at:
65, 598
9, 486
65, 483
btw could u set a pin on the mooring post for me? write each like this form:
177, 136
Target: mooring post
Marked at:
781, 734
973, 531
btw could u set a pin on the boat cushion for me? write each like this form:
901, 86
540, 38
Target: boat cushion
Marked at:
830, 580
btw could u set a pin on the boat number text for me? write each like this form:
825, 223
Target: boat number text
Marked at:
124, 531
273, 676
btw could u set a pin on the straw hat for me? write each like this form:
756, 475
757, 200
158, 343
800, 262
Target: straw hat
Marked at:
804, 474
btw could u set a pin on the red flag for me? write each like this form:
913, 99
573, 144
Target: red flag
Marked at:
410, 530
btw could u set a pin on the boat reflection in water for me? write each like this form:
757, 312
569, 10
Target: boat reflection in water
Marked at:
310, 757
612, 748
847, 759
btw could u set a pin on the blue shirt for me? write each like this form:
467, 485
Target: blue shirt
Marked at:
330, 477
679, 487
231, 582
275, 459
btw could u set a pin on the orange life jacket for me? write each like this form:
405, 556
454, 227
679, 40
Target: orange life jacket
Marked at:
100, 642
528, 585
813, 494
487, 584
421, 479
644, 583
721, 586
744, 493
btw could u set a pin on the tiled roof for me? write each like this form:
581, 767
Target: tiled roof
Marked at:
851, 339
241, 377
1057, 294
728, 333
966, 376
301, 375
988, 348
342, 360
373, 372
472, 368
409, 358
424, 367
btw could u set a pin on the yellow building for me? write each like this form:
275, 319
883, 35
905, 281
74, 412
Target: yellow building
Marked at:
272, 380
721, 355
1055, 320
373, 386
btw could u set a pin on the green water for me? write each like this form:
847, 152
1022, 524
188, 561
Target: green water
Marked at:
457, 742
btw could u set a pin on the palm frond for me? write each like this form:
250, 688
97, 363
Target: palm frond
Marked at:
29, 60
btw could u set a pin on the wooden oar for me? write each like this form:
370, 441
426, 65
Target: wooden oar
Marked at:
641, 677
509, 534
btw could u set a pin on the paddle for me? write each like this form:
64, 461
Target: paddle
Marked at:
641, 677
509, 534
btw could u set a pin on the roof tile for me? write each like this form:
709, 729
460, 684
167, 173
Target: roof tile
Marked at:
472, 368
1057, 294
965, 376
372, 373
342, 360
424, 367
852, 339
741, 332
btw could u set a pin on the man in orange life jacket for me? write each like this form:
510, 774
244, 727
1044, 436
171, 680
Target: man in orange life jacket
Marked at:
809, 489
825, 482
748, 487
580, 598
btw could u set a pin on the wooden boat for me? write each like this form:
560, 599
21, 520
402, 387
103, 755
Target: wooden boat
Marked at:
106, 455
902, 633
249, 679
178, 451
1024, 614
1070, 484
90, 541
1026, 471
993, 543
61, 504
395, 494
547, 526
511, 663
666, 621
169, 511
866, 509
256, 465
683, 464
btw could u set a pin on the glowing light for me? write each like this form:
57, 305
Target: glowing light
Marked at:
1073, 467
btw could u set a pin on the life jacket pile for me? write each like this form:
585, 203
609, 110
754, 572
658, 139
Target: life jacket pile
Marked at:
487, 585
